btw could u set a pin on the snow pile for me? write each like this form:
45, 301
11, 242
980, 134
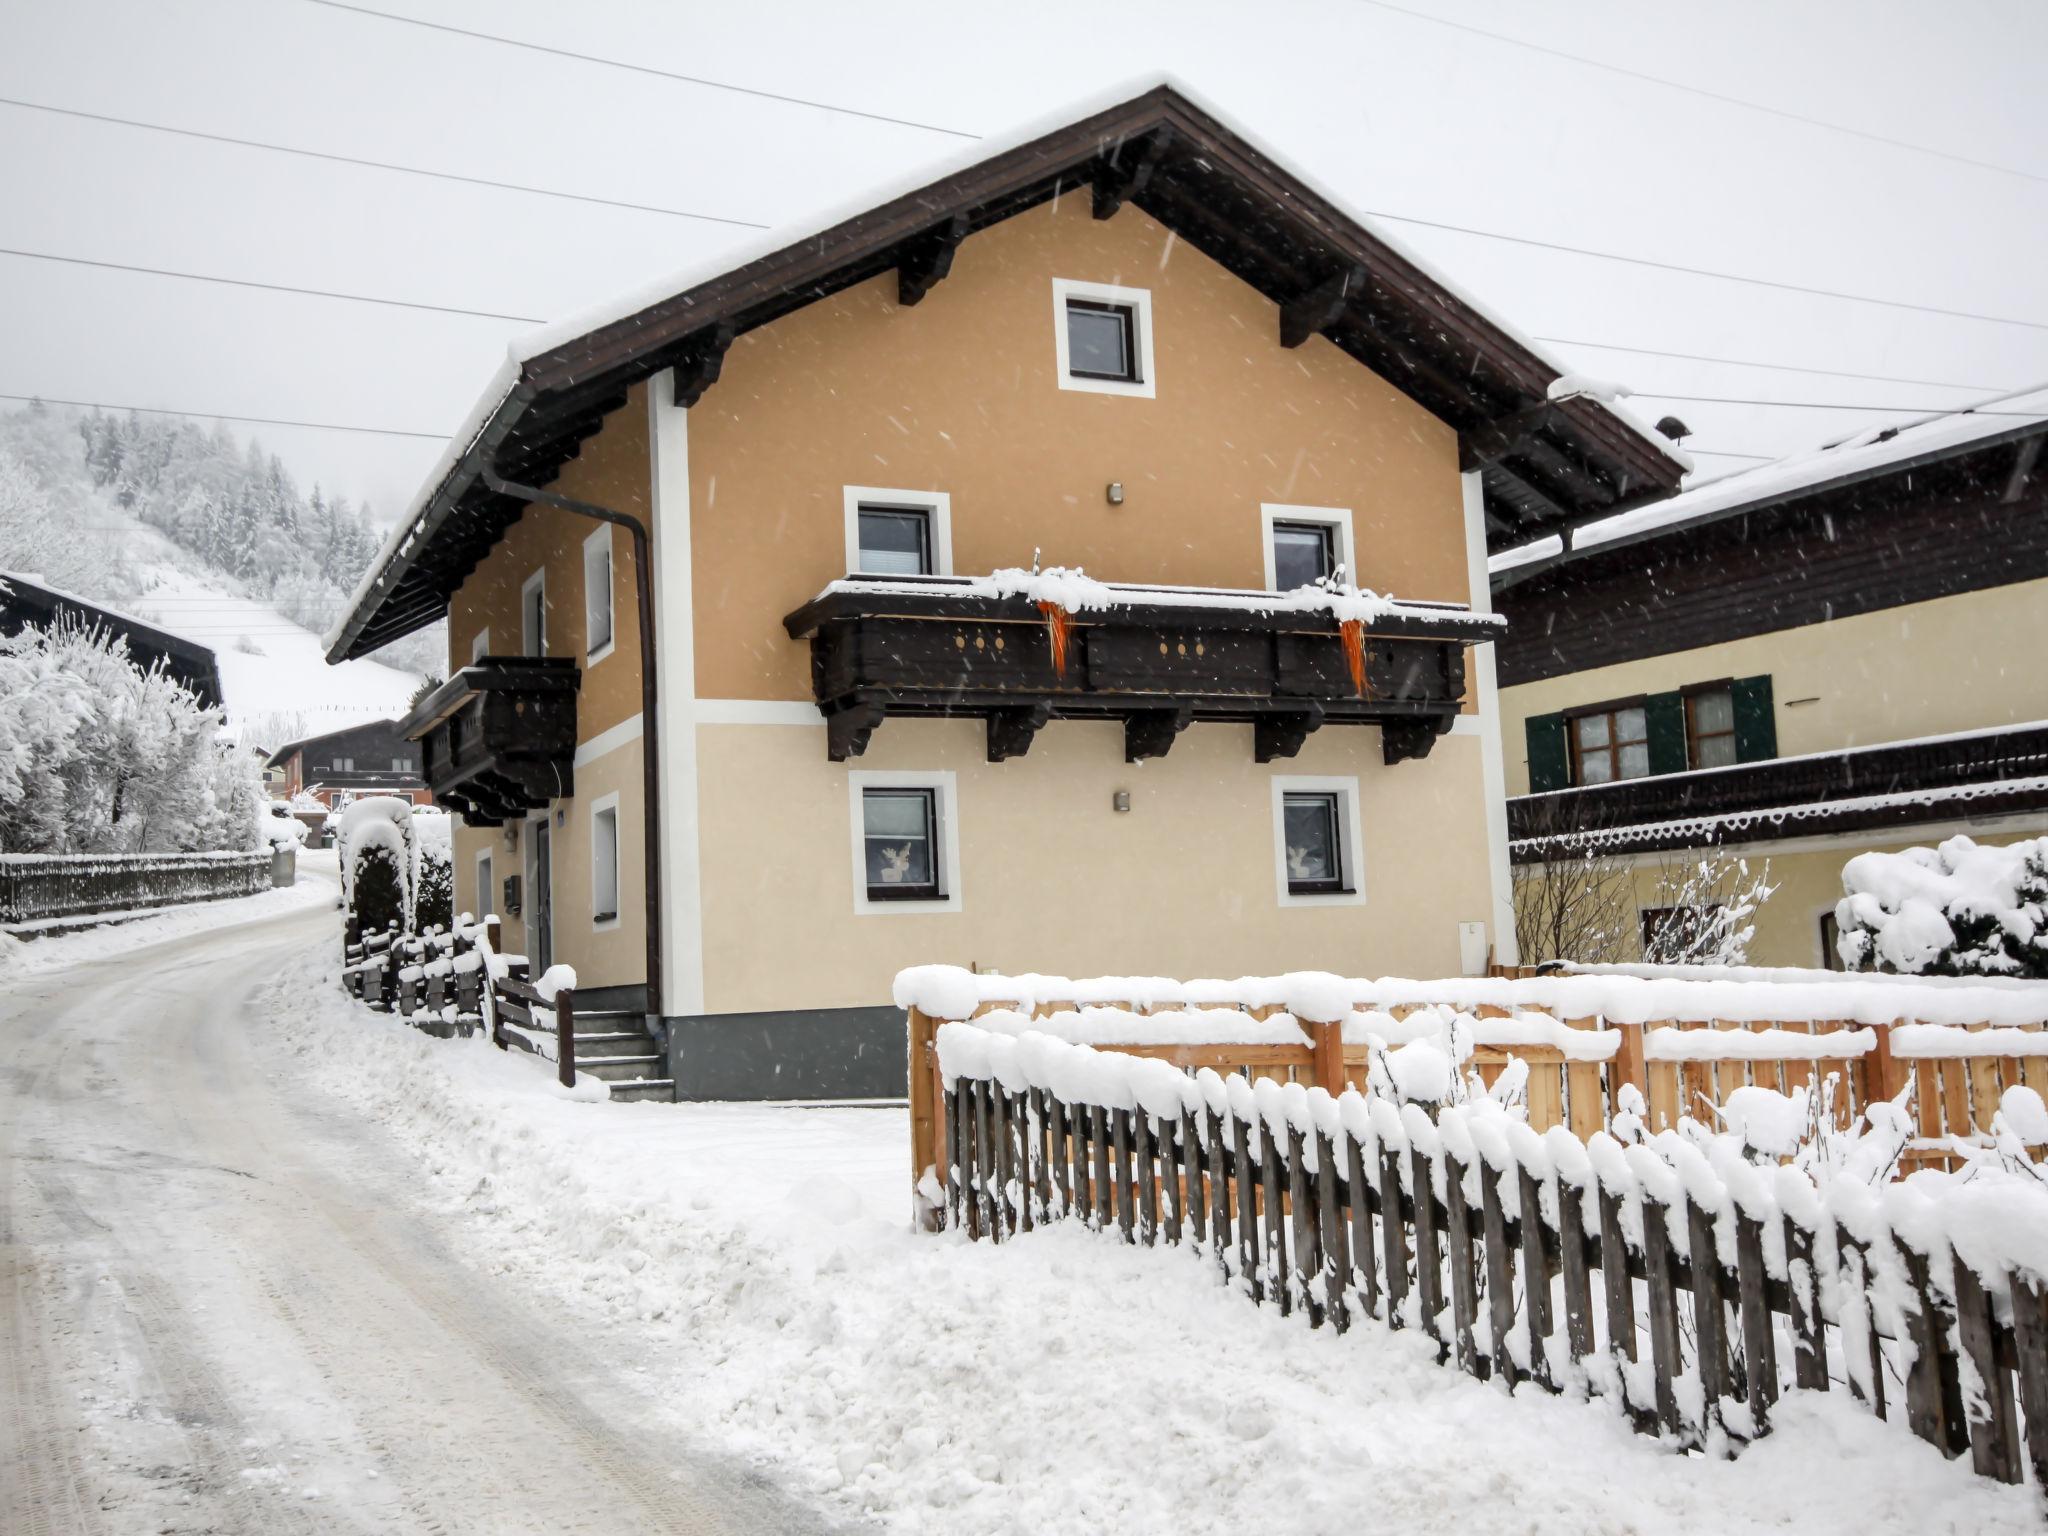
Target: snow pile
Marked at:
1957, 910
753, 1265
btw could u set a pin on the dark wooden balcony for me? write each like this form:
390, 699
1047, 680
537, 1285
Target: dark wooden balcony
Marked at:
1961, 777
1155, 658
499, 737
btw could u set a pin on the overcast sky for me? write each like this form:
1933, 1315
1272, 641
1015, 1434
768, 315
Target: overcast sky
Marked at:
1405, 110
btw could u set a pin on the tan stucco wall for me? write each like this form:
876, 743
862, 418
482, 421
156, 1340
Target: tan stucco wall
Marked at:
1954, 664
1052, 878
615, 955
611, 471
959, 394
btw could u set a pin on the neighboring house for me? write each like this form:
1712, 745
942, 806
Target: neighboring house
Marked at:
1134, 343
370, 759
1836, 652
24, 601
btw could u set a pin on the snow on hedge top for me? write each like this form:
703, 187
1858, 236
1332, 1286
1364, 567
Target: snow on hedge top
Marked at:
1076, 591
1869, 451
1960, 908
948, 992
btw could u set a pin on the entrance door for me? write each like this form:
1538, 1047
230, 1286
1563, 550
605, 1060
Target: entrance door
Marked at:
540, 901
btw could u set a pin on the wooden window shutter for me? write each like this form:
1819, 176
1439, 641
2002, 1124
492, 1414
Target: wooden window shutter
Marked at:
1549, 764
1756, 724
1665, 714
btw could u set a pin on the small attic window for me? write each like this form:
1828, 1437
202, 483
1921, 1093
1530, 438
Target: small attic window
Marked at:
1103, 338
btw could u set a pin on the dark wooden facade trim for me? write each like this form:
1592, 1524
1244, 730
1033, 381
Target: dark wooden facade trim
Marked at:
1988, 773
499, 738
1156, 667
1936, 530
1158, 152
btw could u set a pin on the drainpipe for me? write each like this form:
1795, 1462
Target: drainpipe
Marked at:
650, 734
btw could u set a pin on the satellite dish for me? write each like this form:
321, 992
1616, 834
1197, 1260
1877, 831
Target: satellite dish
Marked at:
1674, 429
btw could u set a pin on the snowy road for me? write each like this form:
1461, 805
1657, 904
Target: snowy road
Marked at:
220, 1311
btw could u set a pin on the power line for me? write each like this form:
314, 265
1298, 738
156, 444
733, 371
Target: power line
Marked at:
243, 282
648, 69
1836, 405
1722, 453
1702, 91
378, 165
261, 421
1744, 362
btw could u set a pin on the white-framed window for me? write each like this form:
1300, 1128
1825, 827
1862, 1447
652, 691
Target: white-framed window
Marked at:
486, 890
533, 615
1305, 544
604, 862
400, 765
1102, 336
480, 647
898, 533
597, 596
1317, 858
906, 841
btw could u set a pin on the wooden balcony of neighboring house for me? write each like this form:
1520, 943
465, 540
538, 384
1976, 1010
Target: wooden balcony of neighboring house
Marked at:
1155, 658
1971, 776
499, 737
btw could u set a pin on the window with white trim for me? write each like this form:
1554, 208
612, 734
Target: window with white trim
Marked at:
898, 533
1102, 337
906, 847
597, 596
1305, 545
1316, 853
604, 861
486, 896
533, 615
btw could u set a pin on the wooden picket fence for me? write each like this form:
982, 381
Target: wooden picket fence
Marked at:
1692, 1295
454, 982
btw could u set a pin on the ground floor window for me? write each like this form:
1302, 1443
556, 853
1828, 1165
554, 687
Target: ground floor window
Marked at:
604, 861
1671, 934
1316, 840
906, 845
486, 895
1830, 942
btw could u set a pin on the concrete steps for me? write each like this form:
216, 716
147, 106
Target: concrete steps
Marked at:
617, 1048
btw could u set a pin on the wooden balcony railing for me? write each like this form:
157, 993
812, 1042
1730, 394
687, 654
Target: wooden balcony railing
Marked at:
499, 737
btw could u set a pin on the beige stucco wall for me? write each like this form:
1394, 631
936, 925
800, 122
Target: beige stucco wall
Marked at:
1954, 664
959, 394
1053, 878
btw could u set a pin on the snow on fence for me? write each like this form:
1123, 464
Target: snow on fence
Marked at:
39, 888
1719, 1282
1684, 1044
454, 981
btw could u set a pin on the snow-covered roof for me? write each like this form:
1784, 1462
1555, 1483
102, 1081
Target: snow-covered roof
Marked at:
569, 349
1889, 447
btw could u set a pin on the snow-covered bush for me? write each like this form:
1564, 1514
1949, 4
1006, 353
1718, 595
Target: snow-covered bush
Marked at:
375, 846
98, 755
277, 826
1709, 901
433, 868
1956, 910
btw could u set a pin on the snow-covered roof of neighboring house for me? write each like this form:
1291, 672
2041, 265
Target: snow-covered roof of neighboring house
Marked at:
34, 600
1184, 163
1890, 448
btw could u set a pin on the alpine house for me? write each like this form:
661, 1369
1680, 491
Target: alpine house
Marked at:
992, 572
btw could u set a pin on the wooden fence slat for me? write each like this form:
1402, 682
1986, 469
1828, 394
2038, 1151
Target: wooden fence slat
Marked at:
2030, 1349
1219, 1193
1394, 1236
1464, 1282
1429, 1284
1759, 1343
1171, 1197
1809, 1332
1709, 1310
1143, 1166
1576, 1273
1336, 1254
985, 1156
1193, 1181
1931, 1323
1500, 1273
1536, 1272
1857, 1295
1993, 1425
949, 1161
1038, 1199
1105, 1191
1664, 1359
1304, 1247
1125, 1174
1276, 1228
1079, 1126
1058, 1124
1249, 1267
1586, 1107
1615, 1287
1364, 1279
1006, 1156
1923, 1377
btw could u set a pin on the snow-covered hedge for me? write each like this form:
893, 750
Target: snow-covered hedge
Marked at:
433, 868
375, 846
1961, 909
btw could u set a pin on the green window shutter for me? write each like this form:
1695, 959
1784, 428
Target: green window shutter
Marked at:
1665, 716
1549, 767
1756, 723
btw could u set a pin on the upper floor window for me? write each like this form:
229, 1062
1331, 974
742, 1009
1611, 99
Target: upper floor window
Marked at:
1710, 727
1103, 337
1305, 545
597, 595
400, 765
898, 533
533, 615
1610, 743
344, 765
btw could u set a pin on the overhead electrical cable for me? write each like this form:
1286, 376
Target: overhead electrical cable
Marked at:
261, 421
